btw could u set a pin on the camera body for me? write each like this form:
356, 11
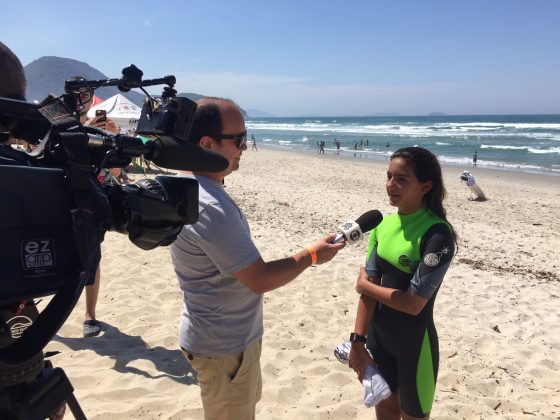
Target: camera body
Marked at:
167, 116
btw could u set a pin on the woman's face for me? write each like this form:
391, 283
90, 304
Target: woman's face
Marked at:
405, 191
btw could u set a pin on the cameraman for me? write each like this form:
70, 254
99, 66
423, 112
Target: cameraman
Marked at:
223, 276
12, 86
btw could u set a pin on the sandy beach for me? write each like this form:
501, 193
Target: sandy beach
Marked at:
497, 312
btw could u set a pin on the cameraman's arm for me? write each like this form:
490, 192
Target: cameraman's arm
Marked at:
262, 277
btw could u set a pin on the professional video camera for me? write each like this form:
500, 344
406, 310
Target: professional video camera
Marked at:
54, 214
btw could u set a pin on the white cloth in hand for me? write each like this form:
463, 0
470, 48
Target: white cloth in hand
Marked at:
376, 388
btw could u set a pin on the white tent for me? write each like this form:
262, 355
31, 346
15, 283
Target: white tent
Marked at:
123, 112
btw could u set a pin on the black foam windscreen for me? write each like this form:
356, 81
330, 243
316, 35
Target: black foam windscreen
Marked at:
173, 154
369, 220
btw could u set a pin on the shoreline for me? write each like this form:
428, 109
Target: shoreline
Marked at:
539, 178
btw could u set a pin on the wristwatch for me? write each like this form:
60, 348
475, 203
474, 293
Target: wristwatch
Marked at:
357, 338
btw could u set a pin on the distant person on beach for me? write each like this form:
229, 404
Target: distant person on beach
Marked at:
337, 146
387, 145
91, 326
254, 140
356, 145
474, 158
322, 147
223, 276
408, 256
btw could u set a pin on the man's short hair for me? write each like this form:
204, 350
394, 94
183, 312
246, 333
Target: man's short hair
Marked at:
12, 76
208, 117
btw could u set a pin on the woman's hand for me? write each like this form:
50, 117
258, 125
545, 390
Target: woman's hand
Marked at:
363, 281
359, 358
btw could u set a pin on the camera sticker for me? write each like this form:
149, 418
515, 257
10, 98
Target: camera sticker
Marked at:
38, 254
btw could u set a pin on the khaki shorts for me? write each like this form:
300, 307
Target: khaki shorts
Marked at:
230, 386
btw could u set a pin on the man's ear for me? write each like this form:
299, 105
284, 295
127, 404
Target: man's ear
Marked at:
206, 142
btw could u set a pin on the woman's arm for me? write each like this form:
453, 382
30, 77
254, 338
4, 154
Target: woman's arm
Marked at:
358, 357
406, 302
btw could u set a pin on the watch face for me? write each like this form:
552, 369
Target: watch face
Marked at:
357, 338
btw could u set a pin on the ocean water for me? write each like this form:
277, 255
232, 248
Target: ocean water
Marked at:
512, 142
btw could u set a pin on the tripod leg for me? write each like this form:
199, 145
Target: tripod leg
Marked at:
75, 407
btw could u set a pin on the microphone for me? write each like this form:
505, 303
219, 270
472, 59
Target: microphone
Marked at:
352, 231
173, 154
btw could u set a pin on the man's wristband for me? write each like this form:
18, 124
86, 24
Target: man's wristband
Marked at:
313, 255
357, 338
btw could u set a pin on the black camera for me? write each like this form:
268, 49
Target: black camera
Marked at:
54, 214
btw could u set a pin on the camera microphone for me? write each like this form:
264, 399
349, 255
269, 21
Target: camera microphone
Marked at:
352, 231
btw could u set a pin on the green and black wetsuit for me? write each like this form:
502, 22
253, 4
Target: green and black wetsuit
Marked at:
409, 251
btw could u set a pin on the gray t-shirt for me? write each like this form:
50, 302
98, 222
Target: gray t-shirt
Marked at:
220, 315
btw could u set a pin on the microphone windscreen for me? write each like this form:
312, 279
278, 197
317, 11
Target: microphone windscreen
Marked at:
369, 220
173, 154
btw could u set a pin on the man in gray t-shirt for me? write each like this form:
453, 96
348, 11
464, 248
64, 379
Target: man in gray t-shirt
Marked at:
223, 276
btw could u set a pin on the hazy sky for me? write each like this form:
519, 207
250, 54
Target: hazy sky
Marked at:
299, 57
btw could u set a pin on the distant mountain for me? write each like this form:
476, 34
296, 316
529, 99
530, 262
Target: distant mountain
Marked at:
258, 113
436, 114
48, 74
192, 96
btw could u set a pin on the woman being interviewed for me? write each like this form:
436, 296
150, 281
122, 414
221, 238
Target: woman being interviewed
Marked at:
408, 256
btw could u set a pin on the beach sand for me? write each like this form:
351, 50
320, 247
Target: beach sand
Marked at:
497, 312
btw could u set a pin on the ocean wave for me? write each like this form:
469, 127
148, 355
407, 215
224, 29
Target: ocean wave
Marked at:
417, 131
544, 151
503, 147
527, 148
489, 163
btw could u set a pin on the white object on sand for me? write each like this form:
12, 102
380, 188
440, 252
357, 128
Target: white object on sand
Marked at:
475, 189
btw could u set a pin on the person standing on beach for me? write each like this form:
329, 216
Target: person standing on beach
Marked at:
223, 276
254, 140
408, 256
91, 326
474, 158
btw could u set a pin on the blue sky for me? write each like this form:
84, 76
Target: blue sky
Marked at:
302, 58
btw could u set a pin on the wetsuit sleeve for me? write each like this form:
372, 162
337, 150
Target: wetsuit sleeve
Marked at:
372, 269
437, 251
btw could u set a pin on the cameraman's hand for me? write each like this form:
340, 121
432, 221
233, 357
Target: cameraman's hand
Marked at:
325, 250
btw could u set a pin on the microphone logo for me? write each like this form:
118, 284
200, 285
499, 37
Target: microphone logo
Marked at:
355, 235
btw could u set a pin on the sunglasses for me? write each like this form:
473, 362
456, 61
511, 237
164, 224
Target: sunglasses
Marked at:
240, 139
